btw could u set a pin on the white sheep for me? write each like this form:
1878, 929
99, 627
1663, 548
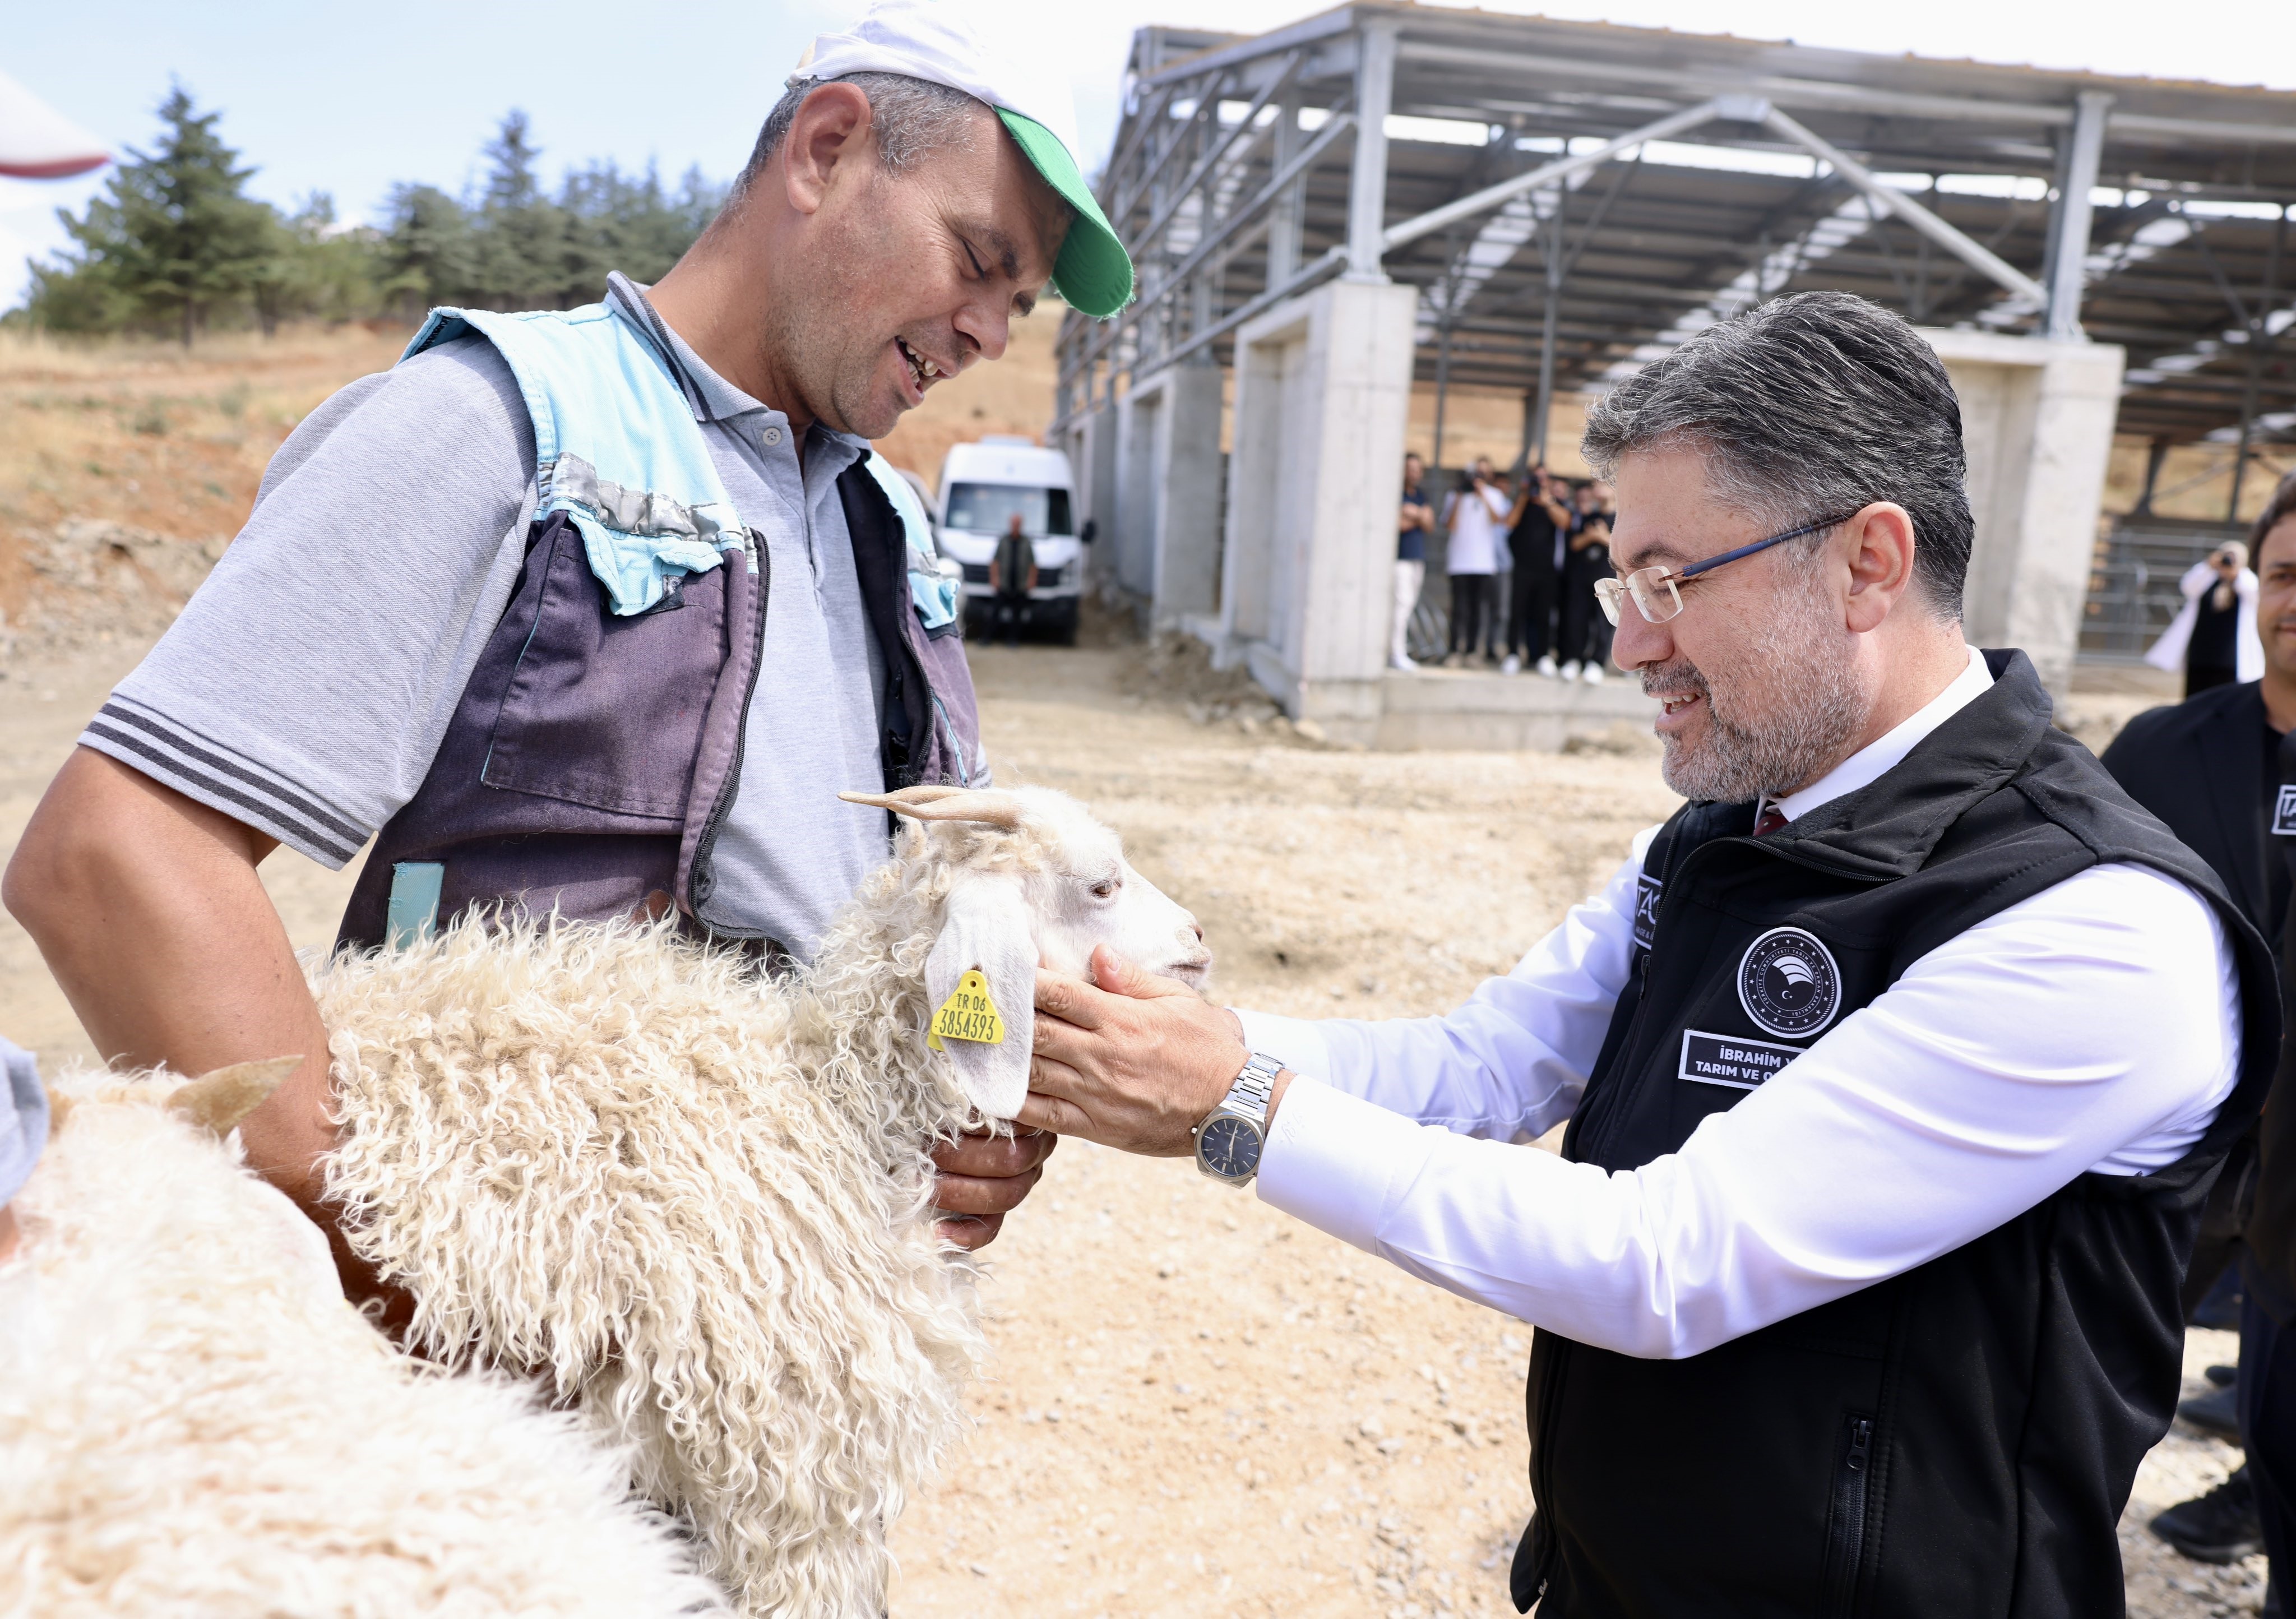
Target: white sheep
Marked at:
697, 1200
193, 1421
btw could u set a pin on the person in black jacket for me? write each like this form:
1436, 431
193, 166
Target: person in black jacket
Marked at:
1897, 1064
2212, 768
1538, 529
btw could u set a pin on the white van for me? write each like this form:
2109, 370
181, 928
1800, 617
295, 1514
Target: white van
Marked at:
982, 486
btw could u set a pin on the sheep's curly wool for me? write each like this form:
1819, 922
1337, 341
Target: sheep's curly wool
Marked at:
193, 1421
693, 1198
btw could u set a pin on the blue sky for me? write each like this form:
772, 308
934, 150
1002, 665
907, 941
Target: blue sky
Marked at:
349, 100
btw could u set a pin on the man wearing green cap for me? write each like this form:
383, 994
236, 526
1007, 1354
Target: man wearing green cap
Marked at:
592, 611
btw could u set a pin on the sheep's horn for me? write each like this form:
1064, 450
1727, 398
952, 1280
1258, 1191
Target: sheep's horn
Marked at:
948, 804
218, 1100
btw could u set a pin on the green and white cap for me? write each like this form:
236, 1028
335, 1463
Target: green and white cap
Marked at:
1014, 71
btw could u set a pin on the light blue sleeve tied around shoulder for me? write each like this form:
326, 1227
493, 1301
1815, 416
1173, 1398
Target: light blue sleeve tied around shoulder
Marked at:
616, 445
916, 528
414, 913
935, 598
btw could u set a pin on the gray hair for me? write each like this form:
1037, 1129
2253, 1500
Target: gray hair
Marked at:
1807, 408
909, 117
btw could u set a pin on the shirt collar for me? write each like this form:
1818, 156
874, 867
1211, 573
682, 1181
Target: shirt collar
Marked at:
1870, 762
712, 398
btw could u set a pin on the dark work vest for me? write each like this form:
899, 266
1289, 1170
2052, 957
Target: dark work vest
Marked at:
592, 758
1961, 1439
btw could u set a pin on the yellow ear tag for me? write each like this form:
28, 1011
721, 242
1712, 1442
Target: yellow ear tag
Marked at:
967, 1014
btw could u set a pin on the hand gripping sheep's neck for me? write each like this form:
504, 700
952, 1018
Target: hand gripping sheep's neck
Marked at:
697, 1201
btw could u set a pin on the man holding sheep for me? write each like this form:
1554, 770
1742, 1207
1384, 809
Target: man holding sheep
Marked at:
1897, 1064
594, 611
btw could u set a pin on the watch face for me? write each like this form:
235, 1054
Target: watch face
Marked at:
1231, 1148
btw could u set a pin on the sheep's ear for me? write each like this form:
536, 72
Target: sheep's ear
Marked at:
945, 804
985, 929
217, 1101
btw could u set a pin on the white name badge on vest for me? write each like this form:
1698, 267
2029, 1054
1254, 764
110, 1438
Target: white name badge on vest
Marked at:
1731, 1060
2284, 813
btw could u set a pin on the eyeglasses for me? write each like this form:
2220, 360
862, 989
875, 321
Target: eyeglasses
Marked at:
1655, 592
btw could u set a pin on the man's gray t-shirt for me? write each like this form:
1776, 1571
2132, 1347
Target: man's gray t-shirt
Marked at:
307, 685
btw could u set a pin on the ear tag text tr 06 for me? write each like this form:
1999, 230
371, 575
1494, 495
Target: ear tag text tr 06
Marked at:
967, 1014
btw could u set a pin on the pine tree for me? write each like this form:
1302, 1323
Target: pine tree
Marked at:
174, 232
430, 252
526, 244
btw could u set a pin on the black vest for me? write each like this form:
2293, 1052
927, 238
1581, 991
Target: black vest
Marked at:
593, 758
1959, 1439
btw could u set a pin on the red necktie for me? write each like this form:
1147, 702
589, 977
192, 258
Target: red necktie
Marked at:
1771, 818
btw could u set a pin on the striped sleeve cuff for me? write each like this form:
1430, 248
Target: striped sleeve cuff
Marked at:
200, 767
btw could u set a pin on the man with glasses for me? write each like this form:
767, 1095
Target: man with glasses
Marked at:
1897, 1063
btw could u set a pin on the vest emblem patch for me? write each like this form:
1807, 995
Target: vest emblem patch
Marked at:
1789, 984
1646, 893
2284, 813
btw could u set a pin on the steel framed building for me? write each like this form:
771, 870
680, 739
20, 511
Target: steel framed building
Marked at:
1564, 199
1618, 196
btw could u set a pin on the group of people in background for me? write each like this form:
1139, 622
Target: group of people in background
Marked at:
1523, 556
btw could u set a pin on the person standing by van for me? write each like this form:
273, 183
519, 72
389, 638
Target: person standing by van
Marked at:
1012, 576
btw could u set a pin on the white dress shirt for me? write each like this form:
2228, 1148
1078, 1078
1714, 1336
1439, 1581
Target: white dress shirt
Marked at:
2094, 1026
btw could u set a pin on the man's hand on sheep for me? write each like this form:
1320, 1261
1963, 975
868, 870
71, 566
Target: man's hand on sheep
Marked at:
983, 1178
1135, 1064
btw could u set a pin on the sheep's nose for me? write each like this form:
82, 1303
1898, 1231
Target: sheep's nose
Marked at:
1197, 928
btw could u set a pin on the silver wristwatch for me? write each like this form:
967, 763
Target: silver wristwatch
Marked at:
1229, 1140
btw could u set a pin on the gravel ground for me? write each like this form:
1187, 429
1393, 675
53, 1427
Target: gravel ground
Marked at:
1196, 1405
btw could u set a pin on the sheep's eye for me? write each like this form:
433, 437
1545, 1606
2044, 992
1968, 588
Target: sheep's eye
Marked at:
1103, 889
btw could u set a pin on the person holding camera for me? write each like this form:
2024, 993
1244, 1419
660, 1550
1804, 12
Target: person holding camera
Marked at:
1476, 516
1538, 528
2214, 635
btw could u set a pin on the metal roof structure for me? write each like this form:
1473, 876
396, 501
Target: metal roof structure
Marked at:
1571, 198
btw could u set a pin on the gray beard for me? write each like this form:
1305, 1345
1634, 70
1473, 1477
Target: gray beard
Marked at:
1740, 761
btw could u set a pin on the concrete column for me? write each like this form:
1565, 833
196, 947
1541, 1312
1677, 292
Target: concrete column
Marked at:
1367, 184
1323, 395
1092, 459
1139, 490
1169, 507
2037, 421
1186, 581
2068, 221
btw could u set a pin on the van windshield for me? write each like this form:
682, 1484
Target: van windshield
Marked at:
988, 508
